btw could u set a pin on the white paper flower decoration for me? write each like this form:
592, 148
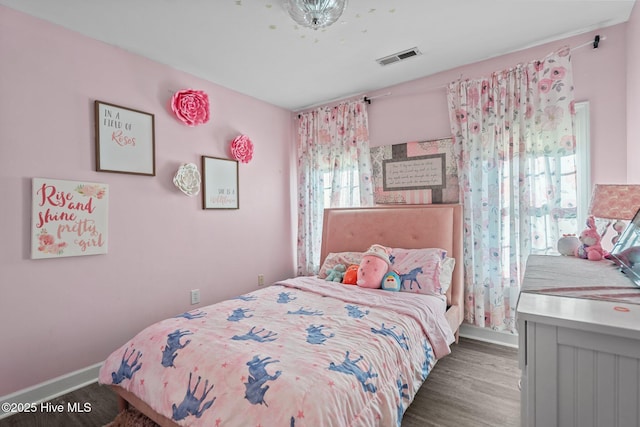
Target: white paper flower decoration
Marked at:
187, 179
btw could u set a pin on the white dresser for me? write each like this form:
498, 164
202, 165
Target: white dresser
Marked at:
580, 358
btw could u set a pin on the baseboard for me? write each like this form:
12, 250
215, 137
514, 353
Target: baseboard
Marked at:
53, 388
488, 335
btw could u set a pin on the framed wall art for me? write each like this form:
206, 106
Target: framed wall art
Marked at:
414, 173
69, 218
417, 172
220, 183
125, 140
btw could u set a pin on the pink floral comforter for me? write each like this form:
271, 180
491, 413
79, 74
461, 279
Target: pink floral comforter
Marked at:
303, 352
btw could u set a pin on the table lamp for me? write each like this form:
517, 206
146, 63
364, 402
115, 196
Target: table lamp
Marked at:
615, 202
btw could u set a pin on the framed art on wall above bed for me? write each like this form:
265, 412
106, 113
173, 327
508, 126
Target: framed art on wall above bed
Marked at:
425, 172
303, 351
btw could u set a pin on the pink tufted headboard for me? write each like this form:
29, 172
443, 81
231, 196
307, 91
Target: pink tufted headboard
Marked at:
405, 226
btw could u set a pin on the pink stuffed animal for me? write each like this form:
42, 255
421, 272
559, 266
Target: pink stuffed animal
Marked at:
374, 265
590, 248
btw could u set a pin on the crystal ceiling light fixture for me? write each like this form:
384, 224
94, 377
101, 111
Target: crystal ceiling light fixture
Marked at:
315, 13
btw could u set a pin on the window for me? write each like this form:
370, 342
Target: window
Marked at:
572, 172
583, 161
349, 184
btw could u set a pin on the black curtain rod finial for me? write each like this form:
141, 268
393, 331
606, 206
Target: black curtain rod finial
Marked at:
367, 100
596, 41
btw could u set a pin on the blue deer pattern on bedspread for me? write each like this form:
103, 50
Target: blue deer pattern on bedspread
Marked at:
355, 311
190, 405
239, 314
401, 388
400, 339
306, 312
350, 367
254, 335
315, 335
285, 298
426, 366
192, 315
246, 297
258, 376
127, 370
170, 351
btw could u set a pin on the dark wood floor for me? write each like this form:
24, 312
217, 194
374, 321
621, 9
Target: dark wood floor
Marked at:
104, 408
475, 386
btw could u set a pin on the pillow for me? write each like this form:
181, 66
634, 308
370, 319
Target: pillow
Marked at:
424, 271
446, 273
335, 258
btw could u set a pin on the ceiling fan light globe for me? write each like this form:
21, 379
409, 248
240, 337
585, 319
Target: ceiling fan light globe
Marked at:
315, 14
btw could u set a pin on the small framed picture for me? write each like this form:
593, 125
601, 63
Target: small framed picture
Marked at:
220, 183
125, 140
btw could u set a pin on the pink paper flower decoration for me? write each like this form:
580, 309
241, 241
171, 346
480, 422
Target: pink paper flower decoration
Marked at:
191, 107
242, 149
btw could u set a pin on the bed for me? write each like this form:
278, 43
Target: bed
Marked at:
303, 351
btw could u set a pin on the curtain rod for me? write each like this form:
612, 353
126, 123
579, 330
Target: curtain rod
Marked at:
595, 43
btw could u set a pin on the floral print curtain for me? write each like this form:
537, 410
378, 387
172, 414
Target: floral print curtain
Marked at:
515, 147
334, 170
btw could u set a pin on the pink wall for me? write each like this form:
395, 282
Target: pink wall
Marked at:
633, 96
418, 110
61, 315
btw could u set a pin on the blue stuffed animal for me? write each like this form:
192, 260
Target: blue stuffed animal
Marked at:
336, 273
391, 282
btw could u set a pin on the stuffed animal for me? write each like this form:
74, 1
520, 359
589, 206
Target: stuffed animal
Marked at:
351, 275
374, 265
568, 244
391, 281
336, 273
590, 248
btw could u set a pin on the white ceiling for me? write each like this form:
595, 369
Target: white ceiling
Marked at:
253, 47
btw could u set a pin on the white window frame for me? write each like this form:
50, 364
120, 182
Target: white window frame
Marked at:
583, 161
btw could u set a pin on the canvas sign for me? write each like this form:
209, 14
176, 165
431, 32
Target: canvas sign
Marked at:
69, 218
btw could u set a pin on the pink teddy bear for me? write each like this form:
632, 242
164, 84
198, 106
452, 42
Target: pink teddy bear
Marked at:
590, 248
374, 265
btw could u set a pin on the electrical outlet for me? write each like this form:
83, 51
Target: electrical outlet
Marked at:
260, 279
195, 296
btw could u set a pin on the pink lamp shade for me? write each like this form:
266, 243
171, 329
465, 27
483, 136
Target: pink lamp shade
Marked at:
615, 201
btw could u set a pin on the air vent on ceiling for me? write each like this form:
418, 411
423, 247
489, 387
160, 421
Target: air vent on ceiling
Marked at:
400, 56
